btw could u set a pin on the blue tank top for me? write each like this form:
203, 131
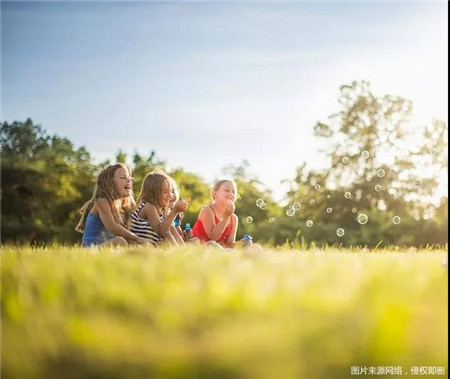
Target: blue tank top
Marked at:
95, 232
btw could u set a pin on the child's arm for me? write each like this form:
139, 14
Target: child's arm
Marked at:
231, 239
176, 235
105, 214
212, 230
150, 213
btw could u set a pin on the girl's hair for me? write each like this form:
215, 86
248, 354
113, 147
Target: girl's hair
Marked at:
220, 182
175, 190
152, 187
104, 188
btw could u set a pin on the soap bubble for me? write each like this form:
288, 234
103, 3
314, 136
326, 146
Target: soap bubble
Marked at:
354, 210
365, 155
345, 160
259, 202
380, 173
263, 206
290, 212
312, 201
396, 220
296, 206
309, 223
317, 187
328, 197
417, 183
347, 195
433, 150
271, 219
329, 210
362, 219
340, 232
249, 219
377, 188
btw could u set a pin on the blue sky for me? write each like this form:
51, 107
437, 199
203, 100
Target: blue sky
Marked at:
210, 84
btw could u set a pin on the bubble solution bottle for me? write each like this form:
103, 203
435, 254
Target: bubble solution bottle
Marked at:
247, 240
177, 221
188, 230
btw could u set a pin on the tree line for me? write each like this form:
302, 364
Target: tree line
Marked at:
379, 187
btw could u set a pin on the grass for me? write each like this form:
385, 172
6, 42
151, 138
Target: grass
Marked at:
142, 312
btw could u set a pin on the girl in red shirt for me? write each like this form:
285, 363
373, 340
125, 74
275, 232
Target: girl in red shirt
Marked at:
217, 223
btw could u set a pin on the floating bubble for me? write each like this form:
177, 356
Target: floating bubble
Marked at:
296, 206
249, 219
381, 173
328, 197
433, 150
354, 210
340, 232
329, 210
271, 220
347, 195
259, 202
417, 183
290, 212
317, 187
365, 154
363, 218
263, 206
309, 223
377, 188
345, 160
396, 220
312, 201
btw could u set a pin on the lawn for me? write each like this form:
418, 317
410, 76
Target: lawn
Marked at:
142, 312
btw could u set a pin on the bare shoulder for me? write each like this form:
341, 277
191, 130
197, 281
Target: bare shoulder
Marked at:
205, 210
101, 204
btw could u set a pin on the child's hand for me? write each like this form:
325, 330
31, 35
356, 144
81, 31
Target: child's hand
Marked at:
180, 206
229, 209
141, 240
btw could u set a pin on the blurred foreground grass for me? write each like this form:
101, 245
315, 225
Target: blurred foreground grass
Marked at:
142, 312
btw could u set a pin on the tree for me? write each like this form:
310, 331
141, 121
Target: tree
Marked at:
380, 164
47, 182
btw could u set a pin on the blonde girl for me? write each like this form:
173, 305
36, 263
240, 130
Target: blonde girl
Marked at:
217, 222
105, 218
153, 218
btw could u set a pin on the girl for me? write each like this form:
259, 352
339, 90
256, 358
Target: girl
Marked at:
176, 228
106, 216
153, 218
217, 222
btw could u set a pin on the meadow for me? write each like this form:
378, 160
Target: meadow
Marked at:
139, 312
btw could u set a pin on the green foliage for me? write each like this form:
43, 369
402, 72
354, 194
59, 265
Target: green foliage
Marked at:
46, 180
145, 312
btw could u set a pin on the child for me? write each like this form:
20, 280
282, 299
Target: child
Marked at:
217, 222
106, 216
153, 218
176, 229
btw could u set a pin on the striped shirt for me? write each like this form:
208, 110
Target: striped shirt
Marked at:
142, 228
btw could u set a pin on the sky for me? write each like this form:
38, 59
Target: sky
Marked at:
209, 84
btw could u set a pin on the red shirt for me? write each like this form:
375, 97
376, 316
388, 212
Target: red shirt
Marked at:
199, 230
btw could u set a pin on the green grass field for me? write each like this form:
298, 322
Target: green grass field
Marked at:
147, 313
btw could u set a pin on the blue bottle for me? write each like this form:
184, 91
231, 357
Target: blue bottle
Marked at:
247, 240
188, 230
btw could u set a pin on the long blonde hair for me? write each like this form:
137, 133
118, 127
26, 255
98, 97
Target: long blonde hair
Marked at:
104, 188
152, 187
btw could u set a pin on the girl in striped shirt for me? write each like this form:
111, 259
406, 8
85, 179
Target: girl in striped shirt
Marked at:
152, 219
